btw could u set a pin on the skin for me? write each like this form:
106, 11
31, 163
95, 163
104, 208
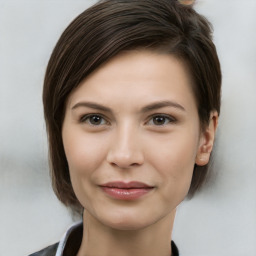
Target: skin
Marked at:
157, 146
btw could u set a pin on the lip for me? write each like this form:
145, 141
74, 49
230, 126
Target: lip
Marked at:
126, 190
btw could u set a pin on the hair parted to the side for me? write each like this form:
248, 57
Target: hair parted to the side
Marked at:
108, 28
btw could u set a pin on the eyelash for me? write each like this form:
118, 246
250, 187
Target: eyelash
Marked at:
85, 118
168, 118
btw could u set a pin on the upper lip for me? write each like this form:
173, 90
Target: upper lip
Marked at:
126, 185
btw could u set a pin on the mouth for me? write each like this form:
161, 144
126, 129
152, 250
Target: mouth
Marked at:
126, 191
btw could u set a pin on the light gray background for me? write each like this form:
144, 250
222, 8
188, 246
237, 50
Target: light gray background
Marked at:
219, 221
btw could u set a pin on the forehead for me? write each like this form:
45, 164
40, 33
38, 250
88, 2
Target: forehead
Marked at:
137, 76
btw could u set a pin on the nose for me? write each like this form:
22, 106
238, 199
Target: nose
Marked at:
125, 150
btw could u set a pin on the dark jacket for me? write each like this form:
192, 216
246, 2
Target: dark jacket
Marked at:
70, 244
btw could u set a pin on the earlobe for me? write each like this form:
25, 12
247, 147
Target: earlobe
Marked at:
206, 141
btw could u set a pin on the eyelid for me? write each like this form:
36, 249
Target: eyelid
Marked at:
169, 117
85, 117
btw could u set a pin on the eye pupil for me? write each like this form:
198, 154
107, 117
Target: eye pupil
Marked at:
95, 120
159, 120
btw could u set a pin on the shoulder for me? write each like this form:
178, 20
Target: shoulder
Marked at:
48, 251
68, 245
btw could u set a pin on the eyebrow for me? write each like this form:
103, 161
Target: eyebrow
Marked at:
148, 108
91, 105
162, 104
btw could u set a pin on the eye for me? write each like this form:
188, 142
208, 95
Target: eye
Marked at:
94, 120
161, 120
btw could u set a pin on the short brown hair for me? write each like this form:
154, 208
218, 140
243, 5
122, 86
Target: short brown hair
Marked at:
104, 30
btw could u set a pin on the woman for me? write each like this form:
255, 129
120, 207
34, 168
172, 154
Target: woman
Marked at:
131, 101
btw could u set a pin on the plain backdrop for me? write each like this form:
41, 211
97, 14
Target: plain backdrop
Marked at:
221, 220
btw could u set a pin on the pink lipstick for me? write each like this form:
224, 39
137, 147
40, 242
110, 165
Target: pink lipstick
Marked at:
126, 191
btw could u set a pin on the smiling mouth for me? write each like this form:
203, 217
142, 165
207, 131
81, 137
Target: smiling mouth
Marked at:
126, 191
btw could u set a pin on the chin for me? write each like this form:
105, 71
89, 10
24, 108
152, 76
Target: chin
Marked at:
128, 220
127, 224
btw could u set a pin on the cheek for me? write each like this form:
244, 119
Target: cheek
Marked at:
174, 154
84, 153
174, 160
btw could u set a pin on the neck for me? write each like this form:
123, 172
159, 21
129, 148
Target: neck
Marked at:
152, 240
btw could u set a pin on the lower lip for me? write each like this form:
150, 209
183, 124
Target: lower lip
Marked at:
126, 194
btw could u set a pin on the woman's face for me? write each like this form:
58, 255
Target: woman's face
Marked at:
131, 135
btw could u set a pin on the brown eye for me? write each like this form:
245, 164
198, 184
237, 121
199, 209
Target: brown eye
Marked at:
161, 120
94, 120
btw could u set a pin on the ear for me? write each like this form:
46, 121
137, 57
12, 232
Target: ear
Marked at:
206, 140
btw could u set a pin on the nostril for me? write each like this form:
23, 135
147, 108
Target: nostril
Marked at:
125, 161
